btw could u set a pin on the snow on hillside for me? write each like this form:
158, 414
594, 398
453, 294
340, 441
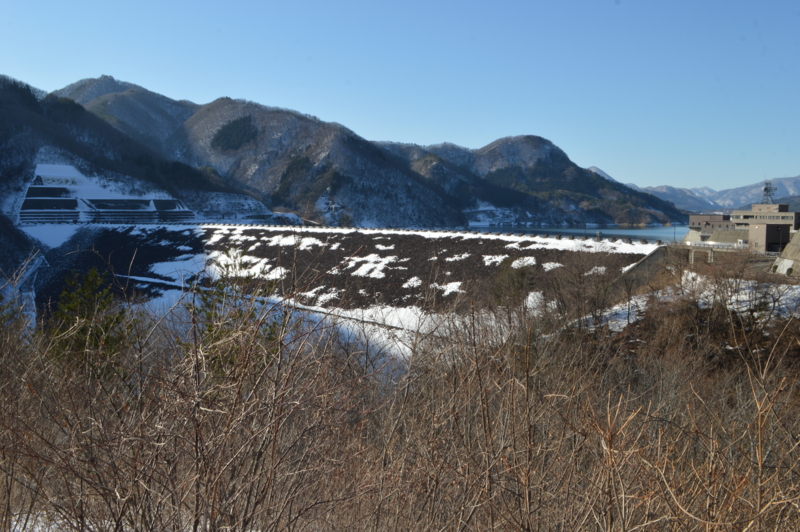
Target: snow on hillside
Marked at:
762, 301
683, 198
51, 235
393, 330
486, 215
601, 173
705, 192
222, 207
68, 177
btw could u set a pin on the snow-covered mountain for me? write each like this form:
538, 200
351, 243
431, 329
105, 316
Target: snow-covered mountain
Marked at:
749, 194
705, 199
683, 198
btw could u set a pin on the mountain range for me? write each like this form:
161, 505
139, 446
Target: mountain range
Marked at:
327, 172
705, 199
322, 170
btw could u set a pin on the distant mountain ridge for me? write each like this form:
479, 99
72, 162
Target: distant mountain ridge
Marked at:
705, 199
321, 170
85, 90
682, 198
325, 169
748, 194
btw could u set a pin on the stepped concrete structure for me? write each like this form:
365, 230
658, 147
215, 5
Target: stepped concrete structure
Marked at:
61, 194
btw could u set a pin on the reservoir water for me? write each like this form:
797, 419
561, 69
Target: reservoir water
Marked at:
663, 233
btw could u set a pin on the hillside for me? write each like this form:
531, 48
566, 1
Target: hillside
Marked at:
59, 129
16, 246
47, 129
532, 170
326, 171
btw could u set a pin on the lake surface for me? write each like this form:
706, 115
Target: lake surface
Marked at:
663, 233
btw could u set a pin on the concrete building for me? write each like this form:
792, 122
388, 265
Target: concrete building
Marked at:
707, 223
764, 228
772, 214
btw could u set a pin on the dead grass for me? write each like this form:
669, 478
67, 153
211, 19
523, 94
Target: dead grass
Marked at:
239, 417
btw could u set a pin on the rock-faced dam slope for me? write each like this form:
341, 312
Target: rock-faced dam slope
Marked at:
338, 267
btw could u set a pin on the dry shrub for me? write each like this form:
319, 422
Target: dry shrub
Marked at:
237, 415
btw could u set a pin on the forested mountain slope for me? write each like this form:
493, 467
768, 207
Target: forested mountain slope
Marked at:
325, 170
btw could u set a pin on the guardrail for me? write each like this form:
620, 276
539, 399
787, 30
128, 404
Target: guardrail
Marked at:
726, 246
717, 245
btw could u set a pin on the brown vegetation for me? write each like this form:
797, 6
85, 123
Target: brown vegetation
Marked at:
235, 416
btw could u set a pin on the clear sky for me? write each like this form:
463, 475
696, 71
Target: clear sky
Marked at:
687, 93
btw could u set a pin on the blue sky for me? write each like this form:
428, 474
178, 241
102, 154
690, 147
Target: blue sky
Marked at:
685, 93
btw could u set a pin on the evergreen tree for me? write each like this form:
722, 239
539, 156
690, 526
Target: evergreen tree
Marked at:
235, 134
88, 325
